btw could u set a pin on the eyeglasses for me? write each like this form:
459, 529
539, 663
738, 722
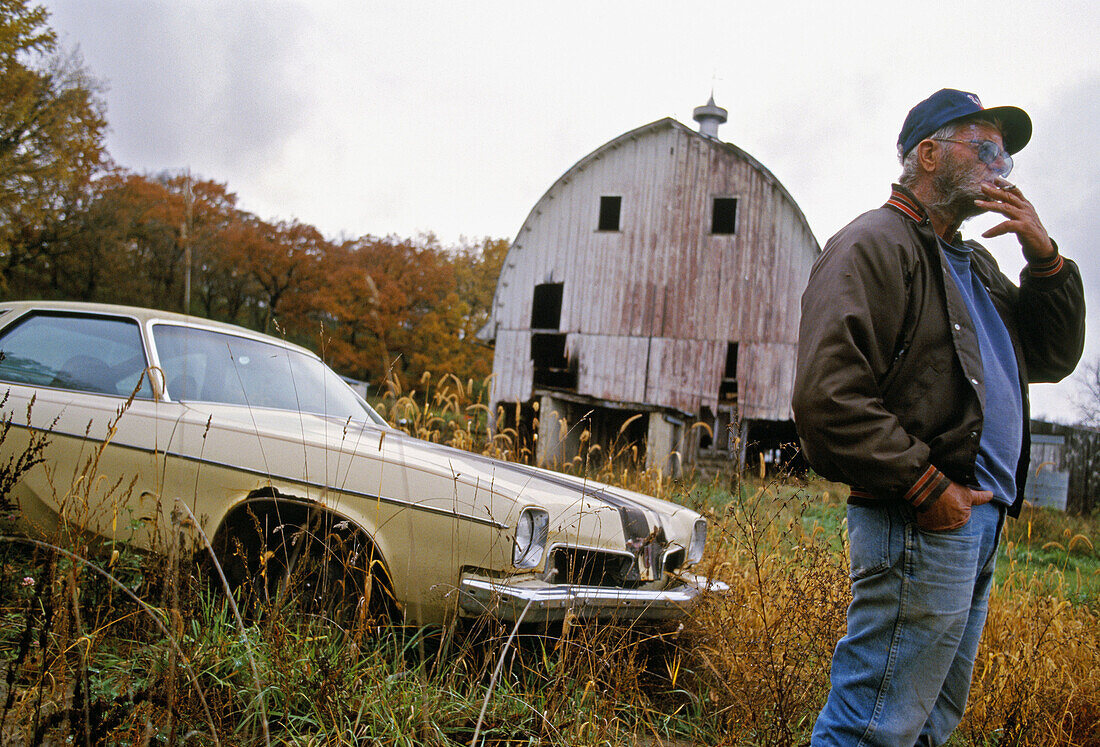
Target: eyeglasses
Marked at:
988, 153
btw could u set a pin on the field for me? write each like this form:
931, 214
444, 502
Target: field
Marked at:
102, 644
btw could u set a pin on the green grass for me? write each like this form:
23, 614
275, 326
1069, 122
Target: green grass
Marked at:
1060, 553
84, 659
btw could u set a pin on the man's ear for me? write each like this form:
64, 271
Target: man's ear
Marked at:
927, 156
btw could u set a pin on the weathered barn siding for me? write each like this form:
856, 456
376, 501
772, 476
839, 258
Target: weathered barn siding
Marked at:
650, 309
515, 345
766, 380
610, 367
685, 373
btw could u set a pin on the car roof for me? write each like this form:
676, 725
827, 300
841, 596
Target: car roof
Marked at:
145, 315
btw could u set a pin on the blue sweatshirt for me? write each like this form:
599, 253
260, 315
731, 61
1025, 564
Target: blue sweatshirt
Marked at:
1002, 432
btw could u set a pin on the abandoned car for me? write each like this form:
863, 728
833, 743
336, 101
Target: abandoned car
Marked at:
159, 423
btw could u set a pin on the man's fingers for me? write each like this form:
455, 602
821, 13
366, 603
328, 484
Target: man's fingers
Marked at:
1033, 237
994, 206
978, 497
1000, 229
1004, 191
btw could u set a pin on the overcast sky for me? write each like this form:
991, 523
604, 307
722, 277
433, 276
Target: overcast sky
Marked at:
364, 117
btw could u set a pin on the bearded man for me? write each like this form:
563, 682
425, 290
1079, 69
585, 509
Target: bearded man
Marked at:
914, 357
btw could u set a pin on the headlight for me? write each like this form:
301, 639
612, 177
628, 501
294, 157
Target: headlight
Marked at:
531, 532
698, 541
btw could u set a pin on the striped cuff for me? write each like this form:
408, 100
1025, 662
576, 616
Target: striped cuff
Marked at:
1045, 268
927, 489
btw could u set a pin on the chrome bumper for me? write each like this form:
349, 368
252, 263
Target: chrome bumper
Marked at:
540, 601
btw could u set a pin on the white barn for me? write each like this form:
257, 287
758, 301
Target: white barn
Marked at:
660, 276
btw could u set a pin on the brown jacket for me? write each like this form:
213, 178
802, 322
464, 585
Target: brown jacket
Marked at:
889, 391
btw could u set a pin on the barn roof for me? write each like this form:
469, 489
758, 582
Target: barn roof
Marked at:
488, 332
670, 123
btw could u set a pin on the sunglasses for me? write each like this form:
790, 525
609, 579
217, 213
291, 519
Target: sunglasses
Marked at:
989, 153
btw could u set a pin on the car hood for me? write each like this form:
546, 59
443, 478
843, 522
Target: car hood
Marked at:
476, 482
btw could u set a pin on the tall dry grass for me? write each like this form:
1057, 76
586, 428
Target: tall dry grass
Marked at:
760, 657
1037, 676
763, 650
109, 645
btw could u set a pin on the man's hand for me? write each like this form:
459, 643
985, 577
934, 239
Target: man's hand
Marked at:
1023, 221
952, 509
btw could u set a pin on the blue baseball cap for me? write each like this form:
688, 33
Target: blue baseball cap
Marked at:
948, 105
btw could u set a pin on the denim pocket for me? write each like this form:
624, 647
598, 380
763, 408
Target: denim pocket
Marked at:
868, 540
944, 568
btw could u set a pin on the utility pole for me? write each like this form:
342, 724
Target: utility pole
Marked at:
186, 238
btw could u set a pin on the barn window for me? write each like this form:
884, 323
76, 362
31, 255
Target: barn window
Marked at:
610, 207
552, 367
727, 390
546, 306
724, 216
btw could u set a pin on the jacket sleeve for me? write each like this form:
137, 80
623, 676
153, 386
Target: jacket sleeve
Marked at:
1050, 315
853, 313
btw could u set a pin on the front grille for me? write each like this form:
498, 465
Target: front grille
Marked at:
570, 565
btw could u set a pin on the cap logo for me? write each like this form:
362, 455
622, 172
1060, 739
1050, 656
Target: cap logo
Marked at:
975, 99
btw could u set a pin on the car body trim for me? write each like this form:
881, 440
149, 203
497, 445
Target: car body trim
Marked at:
533, 603
280, 478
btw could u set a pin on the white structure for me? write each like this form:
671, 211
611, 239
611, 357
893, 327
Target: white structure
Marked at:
660, 275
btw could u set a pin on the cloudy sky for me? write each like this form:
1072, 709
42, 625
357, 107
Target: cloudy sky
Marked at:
454, 117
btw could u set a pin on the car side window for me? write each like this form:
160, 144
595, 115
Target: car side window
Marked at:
206, 366
98, 354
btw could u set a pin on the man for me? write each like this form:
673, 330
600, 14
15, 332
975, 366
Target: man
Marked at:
914, 356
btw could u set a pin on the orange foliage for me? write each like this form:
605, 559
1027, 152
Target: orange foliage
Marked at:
372, 306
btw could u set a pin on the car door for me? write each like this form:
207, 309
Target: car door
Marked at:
83, 379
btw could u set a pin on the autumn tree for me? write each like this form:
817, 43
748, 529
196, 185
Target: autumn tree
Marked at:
388, 305
52, 129
222, 285
284, 260
149, 215
477, 267
101, 242
345, 313
127, 245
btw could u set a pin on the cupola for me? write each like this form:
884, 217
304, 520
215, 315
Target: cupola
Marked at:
709, 116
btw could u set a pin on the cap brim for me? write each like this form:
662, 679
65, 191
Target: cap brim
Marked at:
1016, 122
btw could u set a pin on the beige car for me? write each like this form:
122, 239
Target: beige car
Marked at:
300, 486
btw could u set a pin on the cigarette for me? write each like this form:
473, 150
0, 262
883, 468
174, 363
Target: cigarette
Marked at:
1008, 186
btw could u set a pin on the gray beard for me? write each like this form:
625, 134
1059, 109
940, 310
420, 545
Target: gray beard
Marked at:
956, 189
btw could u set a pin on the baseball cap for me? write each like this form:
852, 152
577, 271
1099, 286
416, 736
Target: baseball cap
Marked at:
948, 105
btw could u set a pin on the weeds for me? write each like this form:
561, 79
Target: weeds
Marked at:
763, 651
100, 643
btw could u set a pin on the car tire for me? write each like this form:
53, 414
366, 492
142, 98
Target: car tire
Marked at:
297, 560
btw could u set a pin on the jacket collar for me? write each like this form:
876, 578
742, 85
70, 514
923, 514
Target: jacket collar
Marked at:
903, 201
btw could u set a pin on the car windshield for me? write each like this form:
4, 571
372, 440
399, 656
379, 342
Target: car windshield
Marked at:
203, 365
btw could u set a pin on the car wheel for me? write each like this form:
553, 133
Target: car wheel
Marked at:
306, 561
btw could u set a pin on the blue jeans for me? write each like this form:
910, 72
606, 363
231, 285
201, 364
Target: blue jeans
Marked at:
901, 675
